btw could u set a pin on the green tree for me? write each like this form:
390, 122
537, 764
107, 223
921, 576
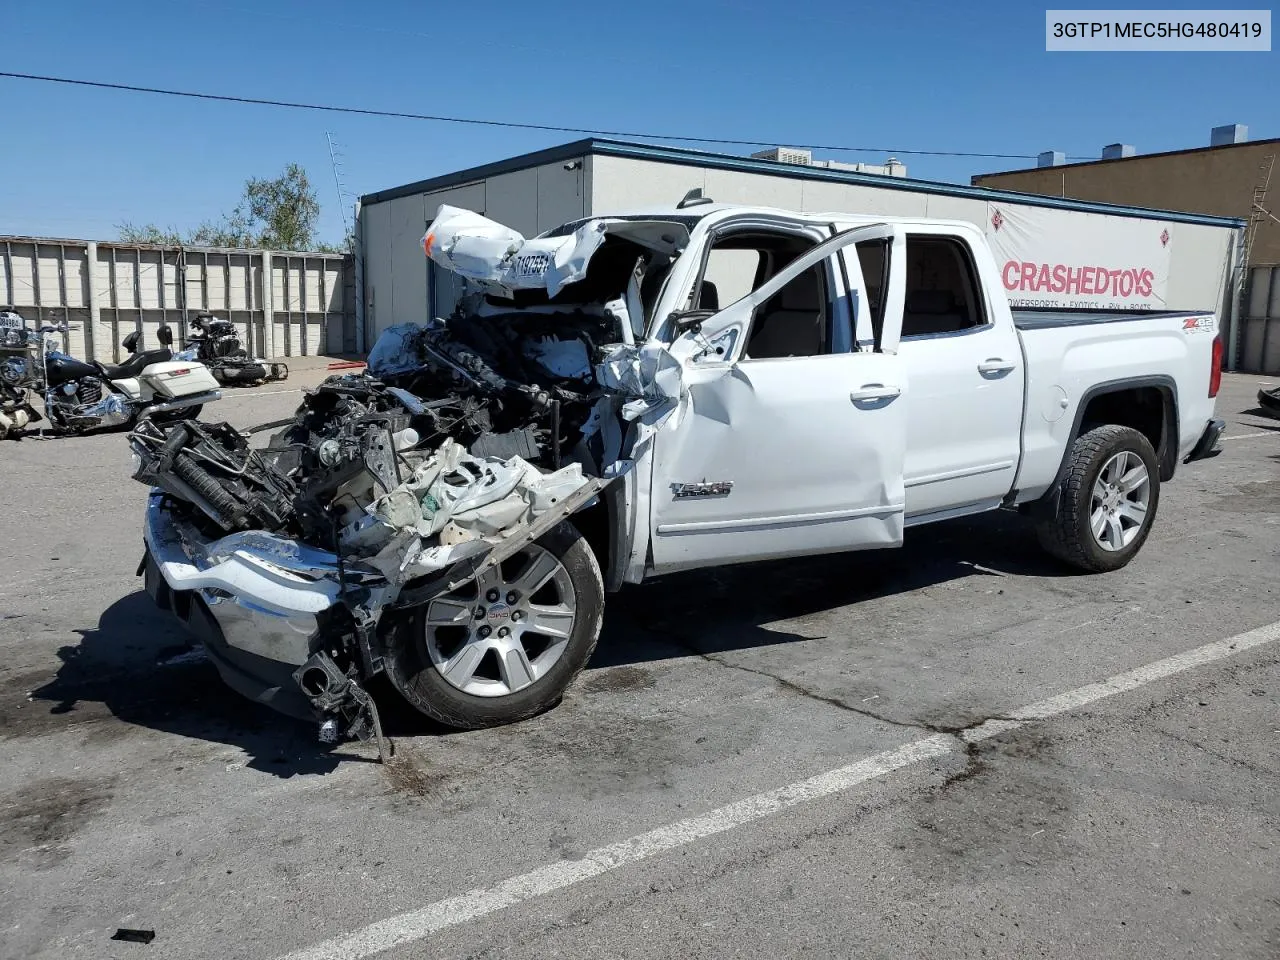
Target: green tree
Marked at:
281, 213
276, 214
233, 230
348, 244
148, 233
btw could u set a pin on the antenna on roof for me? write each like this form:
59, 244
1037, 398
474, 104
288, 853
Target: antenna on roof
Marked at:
693, 198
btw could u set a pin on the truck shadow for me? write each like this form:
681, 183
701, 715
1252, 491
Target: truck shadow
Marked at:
137, 669
724, 609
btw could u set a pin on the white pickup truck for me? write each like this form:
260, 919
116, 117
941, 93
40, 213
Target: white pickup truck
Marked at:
714, 384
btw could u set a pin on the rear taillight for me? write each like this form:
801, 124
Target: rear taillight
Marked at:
1215, 371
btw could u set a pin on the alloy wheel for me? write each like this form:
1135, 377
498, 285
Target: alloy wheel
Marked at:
502, 632
1121, 496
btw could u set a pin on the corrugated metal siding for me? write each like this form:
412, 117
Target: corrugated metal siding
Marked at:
142, 287
1260, 322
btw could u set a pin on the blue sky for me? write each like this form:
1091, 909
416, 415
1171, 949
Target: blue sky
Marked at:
911, 74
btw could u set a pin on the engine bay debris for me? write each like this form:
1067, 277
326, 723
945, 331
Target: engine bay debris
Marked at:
465, 438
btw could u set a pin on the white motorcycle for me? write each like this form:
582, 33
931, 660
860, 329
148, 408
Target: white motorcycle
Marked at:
80, 396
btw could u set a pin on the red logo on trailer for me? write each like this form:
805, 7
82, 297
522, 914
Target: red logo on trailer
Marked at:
1164, 238
1031, 277
997, 221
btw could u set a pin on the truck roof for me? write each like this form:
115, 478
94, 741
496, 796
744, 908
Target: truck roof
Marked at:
691, 216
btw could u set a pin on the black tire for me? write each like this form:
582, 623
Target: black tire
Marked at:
1067, 534
414, 675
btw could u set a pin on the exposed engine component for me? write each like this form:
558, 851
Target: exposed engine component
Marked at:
211, 467
468, 440
14, 370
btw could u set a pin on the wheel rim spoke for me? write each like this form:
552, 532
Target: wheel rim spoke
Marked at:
514, 665
1115, 532
1099, 523
1134, 479
541, 568
461, 670
551, 621
1133, 511
449, 612
490, 578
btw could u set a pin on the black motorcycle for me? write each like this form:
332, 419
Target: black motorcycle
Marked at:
215, 343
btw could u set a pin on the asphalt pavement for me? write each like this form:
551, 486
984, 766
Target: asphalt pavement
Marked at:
957, 749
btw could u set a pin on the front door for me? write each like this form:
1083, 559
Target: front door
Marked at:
787, 443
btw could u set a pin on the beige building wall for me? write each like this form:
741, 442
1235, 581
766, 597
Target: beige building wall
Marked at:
105, 290
1218, 181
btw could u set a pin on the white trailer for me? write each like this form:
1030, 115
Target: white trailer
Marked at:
1052, 252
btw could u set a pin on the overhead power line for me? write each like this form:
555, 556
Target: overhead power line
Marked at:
509, 124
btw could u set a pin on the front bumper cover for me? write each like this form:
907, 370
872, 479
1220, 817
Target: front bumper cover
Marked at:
256, 602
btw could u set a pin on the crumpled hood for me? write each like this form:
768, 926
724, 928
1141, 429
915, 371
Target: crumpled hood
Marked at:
484, 250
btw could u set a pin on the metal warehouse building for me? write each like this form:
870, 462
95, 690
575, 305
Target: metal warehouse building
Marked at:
538, 191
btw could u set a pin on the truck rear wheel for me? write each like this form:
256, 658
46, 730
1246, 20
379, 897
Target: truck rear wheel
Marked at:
1106, 502
506, 646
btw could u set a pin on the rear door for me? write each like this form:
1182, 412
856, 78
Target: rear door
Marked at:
793, 450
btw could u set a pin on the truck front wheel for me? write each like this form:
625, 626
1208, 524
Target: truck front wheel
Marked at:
506, 646
1106, 502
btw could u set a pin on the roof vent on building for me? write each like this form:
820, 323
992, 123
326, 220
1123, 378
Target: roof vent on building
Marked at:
786, 155
1051, 158
1118, 151
1231, 133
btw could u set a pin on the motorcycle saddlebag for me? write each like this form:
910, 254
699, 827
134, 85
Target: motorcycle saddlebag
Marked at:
178, 378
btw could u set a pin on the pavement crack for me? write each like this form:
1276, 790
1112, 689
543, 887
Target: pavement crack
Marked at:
953, 730
1217, 755
792, 687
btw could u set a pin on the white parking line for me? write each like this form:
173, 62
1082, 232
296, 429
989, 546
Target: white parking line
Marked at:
417, 924
1246, 436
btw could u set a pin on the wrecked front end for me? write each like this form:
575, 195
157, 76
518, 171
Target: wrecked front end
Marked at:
307, 565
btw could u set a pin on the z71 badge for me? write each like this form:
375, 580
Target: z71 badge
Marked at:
715, 488
1198, 324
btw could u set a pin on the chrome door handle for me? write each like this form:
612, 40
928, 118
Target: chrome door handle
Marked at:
875, 391
995, 365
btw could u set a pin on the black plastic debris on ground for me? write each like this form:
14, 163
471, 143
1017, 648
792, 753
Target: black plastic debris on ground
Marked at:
134, 936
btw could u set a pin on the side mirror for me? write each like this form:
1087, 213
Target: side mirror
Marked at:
165, 336
130, 342
686, 321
